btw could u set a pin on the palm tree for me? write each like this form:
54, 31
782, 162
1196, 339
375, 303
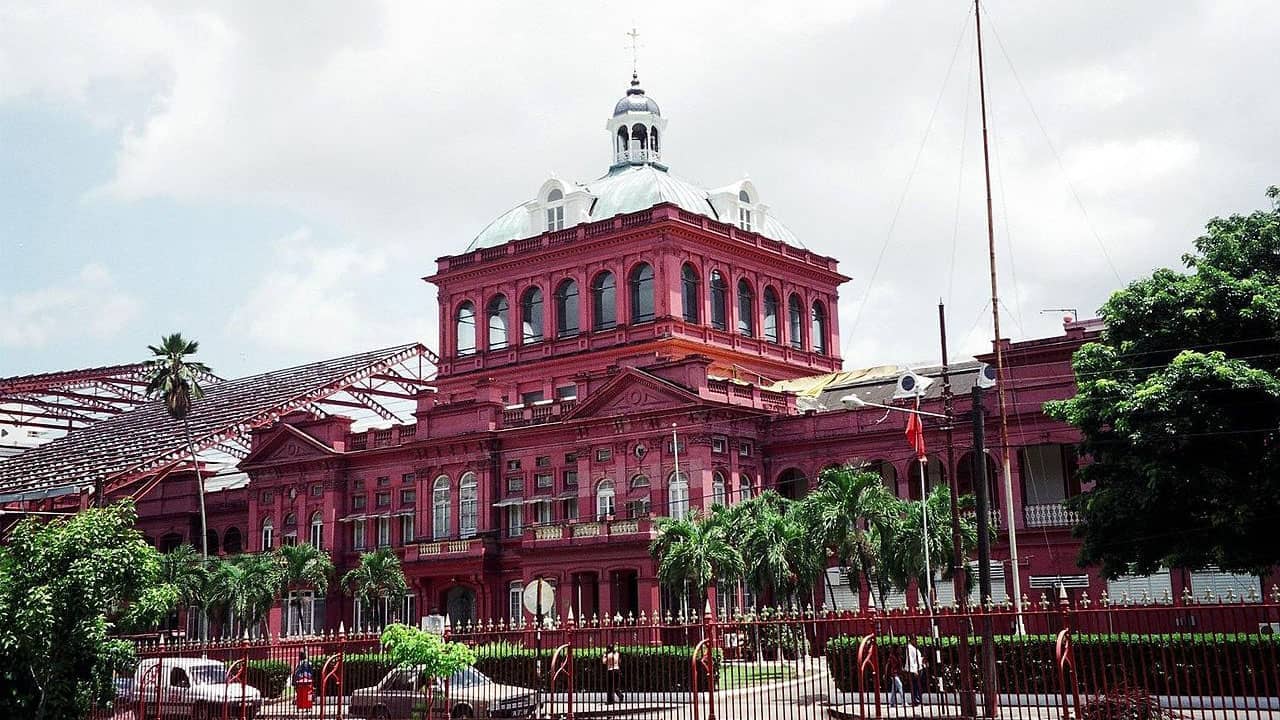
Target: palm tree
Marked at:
247, 586
843, 511
694, 552
907, 560
191, 578
303, 567
177, 381
377, 577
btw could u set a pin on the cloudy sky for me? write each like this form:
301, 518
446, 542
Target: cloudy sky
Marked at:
275, 178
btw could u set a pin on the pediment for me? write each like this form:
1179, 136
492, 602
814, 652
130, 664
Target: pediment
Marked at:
634, 392
288, 444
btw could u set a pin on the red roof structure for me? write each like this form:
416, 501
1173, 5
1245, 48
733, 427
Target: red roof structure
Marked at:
128, 443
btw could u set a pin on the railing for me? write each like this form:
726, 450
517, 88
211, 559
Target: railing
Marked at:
590, 529
1049, 515
638, 155
1080, 658
447, 547
548, 532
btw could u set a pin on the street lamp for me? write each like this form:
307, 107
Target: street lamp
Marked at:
852, 401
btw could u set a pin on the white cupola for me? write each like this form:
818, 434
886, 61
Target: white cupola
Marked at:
636, 128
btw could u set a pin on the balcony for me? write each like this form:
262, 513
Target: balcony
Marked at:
608, 531
446, 549
1050, 515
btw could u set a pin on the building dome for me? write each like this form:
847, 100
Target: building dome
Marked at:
636, 101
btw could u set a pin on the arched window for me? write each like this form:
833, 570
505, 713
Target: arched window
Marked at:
717, 489
555, 212
745, 491
467, 512
622, 139
639, 137
641, 284
290, 521
531, 316
440, 519
746, 309
567, 309
653, 139
719, 315
818, 328
268, 534
770, 315
795, 322
744, 212
231, 543
317, 530
689, 299
496, 313
466, 328
604, 301
678, 496
604, 499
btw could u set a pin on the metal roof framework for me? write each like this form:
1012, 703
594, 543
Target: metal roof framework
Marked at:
71, 399
130, 451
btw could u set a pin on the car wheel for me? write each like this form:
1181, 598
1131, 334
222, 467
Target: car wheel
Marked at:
462, 711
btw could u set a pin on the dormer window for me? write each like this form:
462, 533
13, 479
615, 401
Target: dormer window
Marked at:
744, 211
555, 213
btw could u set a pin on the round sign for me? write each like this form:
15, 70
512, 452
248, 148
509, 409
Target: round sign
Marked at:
539, 597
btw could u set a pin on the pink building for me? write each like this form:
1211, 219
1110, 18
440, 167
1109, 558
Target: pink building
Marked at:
611, 352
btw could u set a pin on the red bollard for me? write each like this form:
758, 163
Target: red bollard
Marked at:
303, 694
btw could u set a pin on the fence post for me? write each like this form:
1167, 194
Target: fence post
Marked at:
709, 622
1064, 656
568, 638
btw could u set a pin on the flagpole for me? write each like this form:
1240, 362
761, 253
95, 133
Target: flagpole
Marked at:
924, 518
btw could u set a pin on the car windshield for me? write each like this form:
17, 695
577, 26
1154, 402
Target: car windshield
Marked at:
208, 674
467, 677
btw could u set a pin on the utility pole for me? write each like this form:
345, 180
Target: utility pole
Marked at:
967, 705
981, 493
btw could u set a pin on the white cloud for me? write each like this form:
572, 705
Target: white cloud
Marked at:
324, 301
90, 303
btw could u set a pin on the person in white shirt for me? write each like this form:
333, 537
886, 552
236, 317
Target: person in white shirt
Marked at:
914, 668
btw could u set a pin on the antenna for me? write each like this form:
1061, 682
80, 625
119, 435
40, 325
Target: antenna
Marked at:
1075, 314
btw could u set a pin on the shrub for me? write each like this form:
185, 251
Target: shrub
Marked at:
270, 677
1168, 663
644, 668
1125, 702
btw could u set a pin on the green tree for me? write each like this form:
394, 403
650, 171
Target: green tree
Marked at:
694, 552
780, 556
191, 578
176, 380
303, 567
906, 562
847, 512
377, 577
428, 653
1178, 405
64, 584
246, 586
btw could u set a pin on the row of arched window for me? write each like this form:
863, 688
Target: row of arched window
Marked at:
771, 326
640, 288
642, 137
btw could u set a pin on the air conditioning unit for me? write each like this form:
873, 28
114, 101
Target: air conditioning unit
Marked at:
1269, 628
911, 385
986, 376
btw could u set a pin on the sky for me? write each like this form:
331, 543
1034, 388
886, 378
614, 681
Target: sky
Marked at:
274, 179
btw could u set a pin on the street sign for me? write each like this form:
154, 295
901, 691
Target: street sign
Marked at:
539, 597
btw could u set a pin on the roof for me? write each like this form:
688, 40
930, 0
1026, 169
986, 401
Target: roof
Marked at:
625, 189
876, 385
143, 444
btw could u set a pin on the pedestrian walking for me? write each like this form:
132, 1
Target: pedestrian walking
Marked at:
915, 668
893, 670
613, 673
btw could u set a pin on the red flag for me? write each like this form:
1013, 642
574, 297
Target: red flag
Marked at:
915, 435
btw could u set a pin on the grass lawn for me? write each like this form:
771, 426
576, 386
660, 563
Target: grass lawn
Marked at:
738, 675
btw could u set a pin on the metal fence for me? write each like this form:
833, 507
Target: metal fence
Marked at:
1089, 659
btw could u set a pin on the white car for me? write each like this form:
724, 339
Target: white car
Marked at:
192, 688
400, 694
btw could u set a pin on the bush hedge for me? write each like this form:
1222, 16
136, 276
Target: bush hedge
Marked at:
644, 668
1164, 664
270, 677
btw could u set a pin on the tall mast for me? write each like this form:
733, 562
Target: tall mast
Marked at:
995, 324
